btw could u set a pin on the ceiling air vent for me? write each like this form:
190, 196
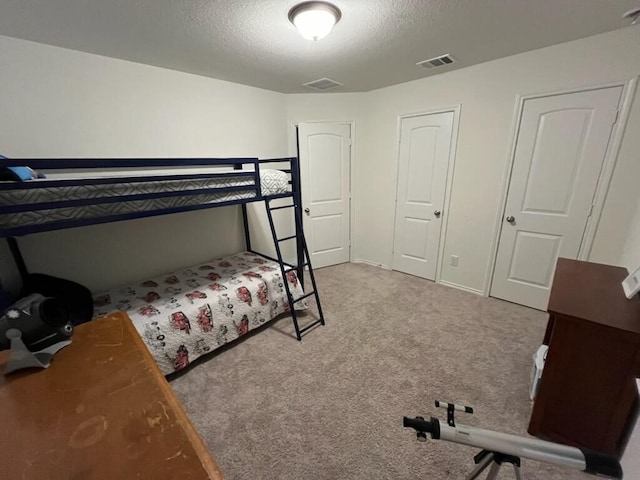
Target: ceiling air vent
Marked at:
435, 62
323, 84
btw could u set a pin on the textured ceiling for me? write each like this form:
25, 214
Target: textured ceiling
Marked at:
377, 43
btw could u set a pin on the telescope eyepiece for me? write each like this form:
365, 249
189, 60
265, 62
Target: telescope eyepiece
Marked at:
422, 427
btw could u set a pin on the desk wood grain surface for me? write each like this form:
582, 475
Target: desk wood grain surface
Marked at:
102, 410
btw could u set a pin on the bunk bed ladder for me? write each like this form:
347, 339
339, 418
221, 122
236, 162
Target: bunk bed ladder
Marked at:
285, 268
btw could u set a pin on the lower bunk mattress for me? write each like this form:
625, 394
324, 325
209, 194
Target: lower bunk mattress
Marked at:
186, 314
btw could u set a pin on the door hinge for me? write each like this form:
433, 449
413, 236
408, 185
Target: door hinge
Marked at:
590, 210
615, 120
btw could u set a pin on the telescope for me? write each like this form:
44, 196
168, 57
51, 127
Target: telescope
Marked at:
34, 328
499, 448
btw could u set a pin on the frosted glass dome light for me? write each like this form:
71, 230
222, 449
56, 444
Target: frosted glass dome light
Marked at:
314, 20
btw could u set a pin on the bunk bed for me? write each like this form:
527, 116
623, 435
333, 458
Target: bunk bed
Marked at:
185, 314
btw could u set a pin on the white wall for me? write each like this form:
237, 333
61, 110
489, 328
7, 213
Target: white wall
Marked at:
63, 103
487, 94
630, 460
631, 253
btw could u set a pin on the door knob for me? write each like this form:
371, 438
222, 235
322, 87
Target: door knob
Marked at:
510, 219
307, 211
437, 213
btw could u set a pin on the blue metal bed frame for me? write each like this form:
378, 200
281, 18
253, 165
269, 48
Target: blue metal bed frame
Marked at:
123, 164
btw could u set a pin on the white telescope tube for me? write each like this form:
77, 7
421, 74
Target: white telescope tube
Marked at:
531, 448
534, 449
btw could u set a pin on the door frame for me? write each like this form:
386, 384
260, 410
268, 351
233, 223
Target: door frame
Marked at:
602, 187
456, 109
293, 146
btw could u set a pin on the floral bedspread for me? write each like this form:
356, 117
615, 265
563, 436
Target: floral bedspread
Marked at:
184, 315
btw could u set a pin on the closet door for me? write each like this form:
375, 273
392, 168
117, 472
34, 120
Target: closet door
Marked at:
325, 162
425, 147
560, 148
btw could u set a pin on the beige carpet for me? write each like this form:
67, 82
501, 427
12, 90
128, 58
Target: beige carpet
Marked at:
331, 406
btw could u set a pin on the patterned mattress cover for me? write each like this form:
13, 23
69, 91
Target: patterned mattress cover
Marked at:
272, 182
184, 315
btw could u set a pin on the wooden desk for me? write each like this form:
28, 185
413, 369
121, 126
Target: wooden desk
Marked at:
587, 393
102, 410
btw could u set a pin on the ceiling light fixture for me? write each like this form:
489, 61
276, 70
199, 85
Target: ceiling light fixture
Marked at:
314, 20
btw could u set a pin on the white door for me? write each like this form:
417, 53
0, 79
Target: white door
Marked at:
560, 149
425, 145
325, 159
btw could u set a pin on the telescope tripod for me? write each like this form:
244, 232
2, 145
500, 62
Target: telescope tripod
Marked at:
493, 460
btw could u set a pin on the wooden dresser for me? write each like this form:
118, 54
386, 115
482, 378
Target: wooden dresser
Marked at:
587, 395
102, 410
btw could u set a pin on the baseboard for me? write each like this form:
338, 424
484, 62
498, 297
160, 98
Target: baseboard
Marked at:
461, 287
442, 282
373, 264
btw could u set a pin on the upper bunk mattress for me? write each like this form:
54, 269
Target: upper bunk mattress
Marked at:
184, 315
272, 182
